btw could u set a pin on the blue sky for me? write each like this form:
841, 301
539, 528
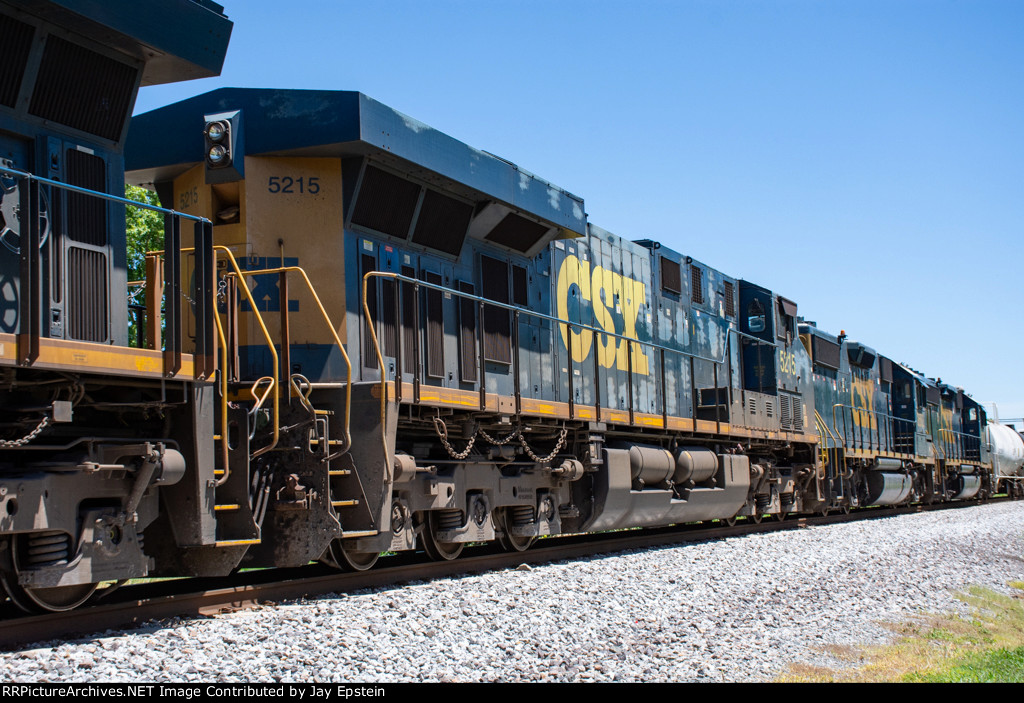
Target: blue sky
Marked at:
864, 158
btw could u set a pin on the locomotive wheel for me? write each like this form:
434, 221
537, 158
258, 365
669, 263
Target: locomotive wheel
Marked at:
757, 517
350, 560
780, 516
730, 521
435, 549
56, 599
509, 541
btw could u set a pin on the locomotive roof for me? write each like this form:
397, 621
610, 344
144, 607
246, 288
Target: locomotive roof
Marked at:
167, 141
178, 39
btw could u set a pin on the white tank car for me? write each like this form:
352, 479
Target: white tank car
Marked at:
1007, 450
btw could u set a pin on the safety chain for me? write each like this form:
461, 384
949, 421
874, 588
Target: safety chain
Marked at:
515, 433
549, 457
442, 432
11, 444
222, 288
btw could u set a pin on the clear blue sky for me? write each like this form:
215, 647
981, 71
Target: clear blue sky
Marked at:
862, 157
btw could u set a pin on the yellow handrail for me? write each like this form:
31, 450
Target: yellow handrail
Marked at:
270, 345
225, 447
266, 335
347, 439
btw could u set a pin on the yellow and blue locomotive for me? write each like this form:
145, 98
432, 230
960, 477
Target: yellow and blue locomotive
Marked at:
362, 335
498, 367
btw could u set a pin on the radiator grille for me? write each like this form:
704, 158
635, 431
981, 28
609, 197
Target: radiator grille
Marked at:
671, 276
87, 216
442, 223
87, 295
83, 90
15, 46
516, 232
386, 203
730, 303
697, 284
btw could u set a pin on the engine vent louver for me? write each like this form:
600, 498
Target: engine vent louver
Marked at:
83, 90
15, 46
885, 369
467, 335
87, 291
409, 304
730, 303
520, 287
671, 276
442, 223
435, 327
386, 203
826, 353
696, 284
367, 264
516, 232
87, 216
497, 323
791, 412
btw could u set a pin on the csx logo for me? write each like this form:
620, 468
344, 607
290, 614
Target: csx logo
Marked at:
863, 391
616, 302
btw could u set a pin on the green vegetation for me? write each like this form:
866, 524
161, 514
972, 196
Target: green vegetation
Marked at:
987, 647
145, 230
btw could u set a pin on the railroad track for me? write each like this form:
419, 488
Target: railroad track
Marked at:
134, 605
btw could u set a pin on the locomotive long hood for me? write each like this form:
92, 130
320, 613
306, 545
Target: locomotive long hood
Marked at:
344, 124
177, 40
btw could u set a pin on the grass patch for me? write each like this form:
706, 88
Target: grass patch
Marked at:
988, 646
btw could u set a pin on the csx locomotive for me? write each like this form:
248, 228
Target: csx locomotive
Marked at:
362, 336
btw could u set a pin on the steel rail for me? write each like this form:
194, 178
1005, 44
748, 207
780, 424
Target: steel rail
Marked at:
133, 606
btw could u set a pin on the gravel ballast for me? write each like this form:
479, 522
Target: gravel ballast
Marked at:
739, 609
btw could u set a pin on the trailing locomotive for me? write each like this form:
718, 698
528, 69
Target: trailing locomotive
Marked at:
380, 339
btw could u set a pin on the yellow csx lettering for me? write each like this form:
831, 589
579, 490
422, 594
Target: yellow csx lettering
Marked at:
946, 418
864, 397
600, 287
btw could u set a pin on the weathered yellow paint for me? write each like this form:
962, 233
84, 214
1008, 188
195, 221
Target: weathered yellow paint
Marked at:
454, 397
64, 354
612, 297
946, 418
648, 420
299, 224
862, 392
